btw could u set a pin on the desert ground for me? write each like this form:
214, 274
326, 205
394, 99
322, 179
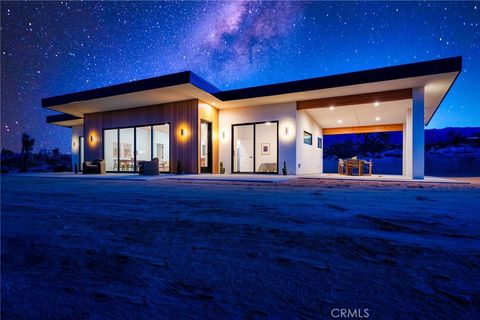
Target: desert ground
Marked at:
92, 249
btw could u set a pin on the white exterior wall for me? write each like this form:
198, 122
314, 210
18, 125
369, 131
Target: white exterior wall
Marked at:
77, 132
284, 113
309, 157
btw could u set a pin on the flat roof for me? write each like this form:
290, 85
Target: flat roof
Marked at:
442, 73
410, 70
64, 119
168, 80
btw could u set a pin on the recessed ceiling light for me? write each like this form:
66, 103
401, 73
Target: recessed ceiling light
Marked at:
376, 103
339, 121
331, 108
377, 118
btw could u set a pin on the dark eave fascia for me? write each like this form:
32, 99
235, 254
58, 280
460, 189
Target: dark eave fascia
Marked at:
418, 69
134, 86
61, 117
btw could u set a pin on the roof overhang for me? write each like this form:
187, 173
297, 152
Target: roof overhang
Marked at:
65, 120
436, 76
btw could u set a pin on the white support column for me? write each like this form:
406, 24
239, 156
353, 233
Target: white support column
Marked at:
418, 133
407, 144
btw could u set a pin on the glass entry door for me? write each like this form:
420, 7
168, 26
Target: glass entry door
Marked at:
243, 148
205, 147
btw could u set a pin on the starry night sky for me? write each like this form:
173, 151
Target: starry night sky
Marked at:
53, 48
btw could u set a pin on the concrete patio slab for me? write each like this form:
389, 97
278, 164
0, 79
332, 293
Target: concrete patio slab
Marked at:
266, 178
107, 176
380, 177
253, 178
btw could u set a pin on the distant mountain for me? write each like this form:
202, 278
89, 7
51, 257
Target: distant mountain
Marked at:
432, 136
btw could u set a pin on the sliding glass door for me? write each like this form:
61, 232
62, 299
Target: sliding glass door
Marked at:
110, 149
161, 146
127, 160
243, 160
143, 144
266, 153
124, 148
255, 148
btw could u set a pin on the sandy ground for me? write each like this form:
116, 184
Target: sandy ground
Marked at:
90, 249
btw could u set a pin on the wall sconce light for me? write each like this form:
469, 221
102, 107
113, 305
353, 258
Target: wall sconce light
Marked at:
223, 134
92, 138
182, 132
286, 131
73, 143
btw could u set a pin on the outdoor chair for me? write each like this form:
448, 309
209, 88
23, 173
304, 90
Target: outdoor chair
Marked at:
341, 166
369, 164
96, 166
354, 163
150, 168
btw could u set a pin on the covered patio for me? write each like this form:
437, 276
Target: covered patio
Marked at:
402, 106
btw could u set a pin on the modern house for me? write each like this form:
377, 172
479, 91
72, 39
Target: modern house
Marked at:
185, 121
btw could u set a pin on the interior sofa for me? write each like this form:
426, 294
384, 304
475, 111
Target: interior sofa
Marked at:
96, 166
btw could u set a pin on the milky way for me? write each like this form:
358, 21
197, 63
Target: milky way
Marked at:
52, 48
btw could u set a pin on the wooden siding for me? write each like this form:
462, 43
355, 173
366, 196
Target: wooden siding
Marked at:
180, 115
363, 129
356, 99
210, 114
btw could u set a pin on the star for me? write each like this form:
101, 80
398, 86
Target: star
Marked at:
54, 48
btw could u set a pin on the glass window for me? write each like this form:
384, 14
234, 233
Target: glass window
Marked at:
161, 146
126, 159
307, 138
266, 147
143, 142
110, 149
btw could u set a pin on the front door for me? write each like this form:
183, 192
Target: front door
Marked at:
205, 147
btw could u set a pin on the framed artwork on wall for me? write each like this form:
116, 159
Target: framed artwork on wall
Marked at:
265, 149
319, 143
307, 138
